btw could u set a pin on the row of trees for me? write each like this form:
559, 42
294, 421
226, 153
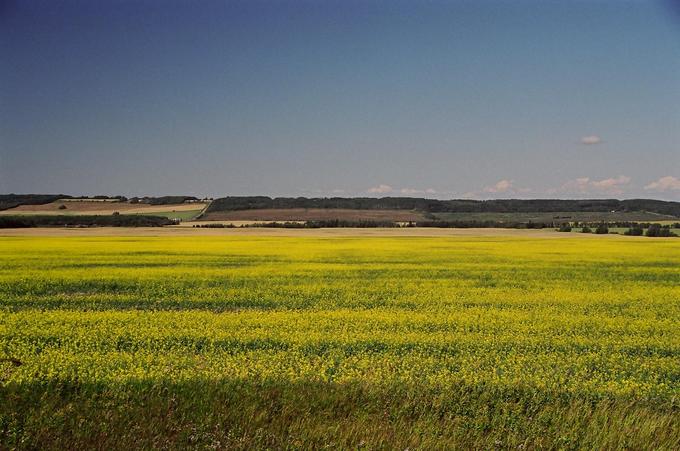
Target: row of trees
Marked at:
232, 203
657, 230
654, 230
335, 223
163, 200
27, 221
651, 230
642, 224
601, 229
8, 201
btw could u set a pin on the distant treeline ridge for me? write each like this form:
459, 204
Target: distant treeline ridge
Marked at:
233, 203
341, 223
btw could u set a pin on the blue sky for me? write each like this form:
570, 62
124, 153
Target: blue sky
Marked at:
439, 99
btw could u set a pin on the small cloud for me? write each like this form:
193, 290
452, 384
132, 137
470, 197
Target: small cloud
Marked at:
591, 140
668, 183
612, 185
579, 185
380, 189
585, 185
411, 191
502, 186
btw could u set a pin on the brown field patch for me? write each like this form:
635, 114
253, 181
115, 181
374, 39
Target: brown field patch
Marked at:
314, 214
98, 208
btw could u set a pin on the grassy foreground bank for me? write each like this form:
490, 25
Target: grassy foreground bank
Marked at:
233, 414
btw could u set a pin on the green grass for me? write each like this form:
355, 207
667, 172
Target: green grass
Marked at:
244, 342
184, 215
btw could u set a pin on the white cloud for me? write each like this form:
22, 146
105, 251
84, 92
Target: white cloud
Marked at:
417, 191
410, 191
505, 186
591, 140
612, 185
668, 183
384, 189
584, 185
380, 189
502, 186
579, 185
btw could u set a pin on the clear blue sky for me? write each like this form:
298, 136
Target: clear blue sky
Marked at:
437, 99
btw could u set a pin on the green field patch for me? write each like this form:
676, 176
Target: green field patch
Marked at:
184, 215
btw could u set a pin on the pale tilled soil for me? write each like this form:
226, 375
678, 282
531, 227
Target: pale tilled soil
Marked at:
97, 208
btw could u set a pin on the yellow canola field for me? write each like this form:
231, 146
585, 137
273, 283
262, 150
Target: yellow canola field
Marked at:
582, 317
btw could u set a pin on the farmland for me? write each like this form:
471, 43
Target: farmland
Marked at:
383, 339
93, 207
404, 209
313, 214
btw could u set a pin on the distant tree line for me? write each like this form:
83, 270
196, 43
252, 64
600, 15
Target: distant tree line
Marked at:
644, 225
118, 198
600, 229
326, 223
340, 223
485, 224
233, 203
657, 230
26, 221
162, 200
654, 230
8, 201
214, 225
634, 228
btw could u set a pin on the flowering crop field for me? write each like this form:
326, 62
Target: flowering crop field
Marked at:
242, 342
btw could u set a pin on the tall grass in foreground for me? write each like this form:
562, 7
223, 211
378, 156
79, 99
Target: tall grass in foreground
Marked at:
256, 342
